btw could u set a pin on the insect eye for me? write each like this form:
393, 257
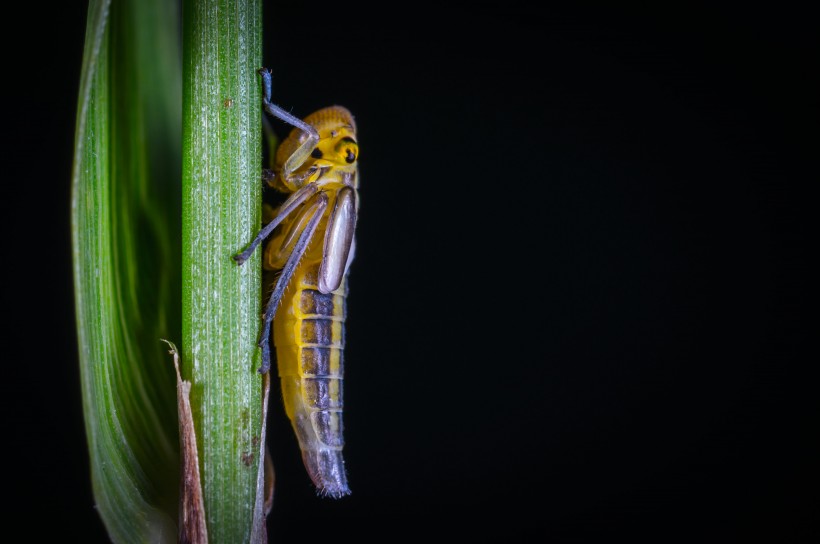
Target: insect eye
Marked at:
350, 157
316, 153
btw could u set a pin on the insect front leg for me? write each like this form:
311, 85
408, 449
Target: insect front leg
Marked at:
301, 154
294, 201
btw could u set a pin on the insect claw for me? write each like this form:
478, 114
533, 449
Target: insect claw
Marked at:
265, 361
266, 85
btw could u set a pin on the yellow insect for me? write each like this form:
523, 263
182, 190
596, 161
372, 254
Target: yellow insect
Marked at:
311, 249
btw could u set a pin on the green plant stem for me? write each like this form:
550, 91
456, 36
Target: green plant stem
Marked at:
221, 212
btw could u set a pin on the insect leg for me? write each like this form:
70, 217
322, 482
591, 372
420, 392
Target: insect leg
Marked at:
294, 201
316, 213
301, 154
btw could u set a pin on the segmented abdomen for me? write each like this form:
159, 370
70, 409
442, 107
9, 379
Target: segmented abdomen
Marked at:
308, 332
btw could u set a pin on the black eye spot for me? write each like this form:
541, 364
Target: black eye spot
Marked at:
350, 156
316, 153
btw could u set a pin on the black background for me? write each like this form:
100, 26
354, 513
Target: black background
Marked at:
577, 311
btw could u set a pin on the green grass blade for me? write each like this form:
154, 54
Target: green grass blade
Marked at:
125, 237
221, 213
